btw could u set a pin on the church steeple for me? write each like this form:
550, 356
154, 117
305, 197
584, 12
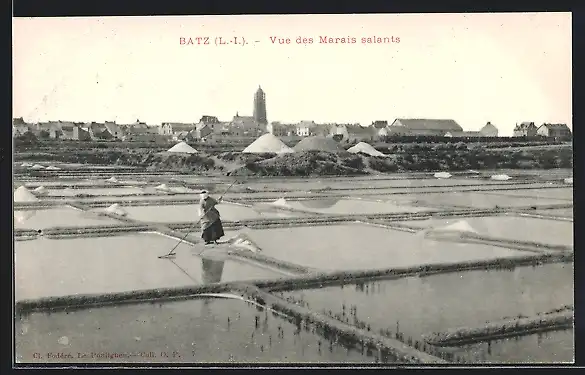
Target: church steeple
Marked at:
260, 107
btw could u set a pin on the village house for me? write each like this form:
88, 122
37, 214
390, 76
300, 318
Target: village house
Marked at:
554, 130
489, 130
141, 132
244, 126
281, 130
421, 127
525, 129
114, 129
352, 132
175, 128
310, 128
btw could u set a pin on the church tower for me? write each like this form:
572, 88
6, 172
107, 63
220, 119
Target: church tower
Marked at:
260, 107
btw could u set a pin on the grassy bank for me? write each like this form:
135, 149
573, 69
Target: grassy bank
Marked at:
408, 157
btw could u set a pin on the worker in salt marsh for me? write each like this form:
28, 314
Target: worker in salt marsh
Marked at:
211, 226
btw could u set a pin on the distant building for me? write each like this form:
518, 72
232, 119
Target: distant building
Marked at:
352, 132
437, 127
281, 130
310, 128
260, 107
554, 130
489, 130
525, 129
116, 130
245, 126
173, 128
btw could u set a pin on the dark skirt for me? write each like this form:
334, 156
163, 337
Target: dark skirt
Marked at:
213, 232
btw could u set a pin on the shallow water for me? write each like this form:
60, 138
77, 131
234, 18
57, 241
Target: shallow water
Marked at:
538, 194
543, 231
189, 212
356, 246
479, 200
563, 212
186, 331
546, 347
348, 206
421, 305
58, 267
57, 217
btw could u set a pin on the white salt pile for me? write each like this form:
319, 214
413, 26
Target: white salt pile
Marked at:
280, 202
244, 242
22, 194
37, 167
112, 179
116, 210
22, 216
182, 148
454, 230
26, 165
367, 149
568, 180
442, 175
318, 143
473, 171
268, 143
501, 177
162, 187
53, 168
41, 190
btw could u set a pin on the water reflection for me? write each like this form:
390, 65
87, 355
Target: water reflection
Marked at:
212, 270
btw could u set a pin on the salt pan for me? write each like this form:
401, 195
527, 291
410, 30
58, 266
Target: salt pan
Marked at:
268, 143
182, 148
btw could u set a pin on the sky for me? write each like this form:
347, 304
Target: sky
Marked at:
474, 68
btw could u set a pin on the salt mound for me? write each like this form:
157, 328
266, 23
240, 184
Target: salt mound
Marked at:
116, 210
22, 194
162, 187
26, 165
568, 180
280, 202
182, 148
22, 216
268, 143
442, 175
365, 148
37, 167
318, 143
41, 190
501, 177
473, 171
112, 179
454, 230
53, 168
244, 242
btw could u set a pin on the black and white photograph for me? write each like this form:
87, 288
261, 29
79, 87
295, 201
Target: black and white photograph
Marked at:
348, 189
